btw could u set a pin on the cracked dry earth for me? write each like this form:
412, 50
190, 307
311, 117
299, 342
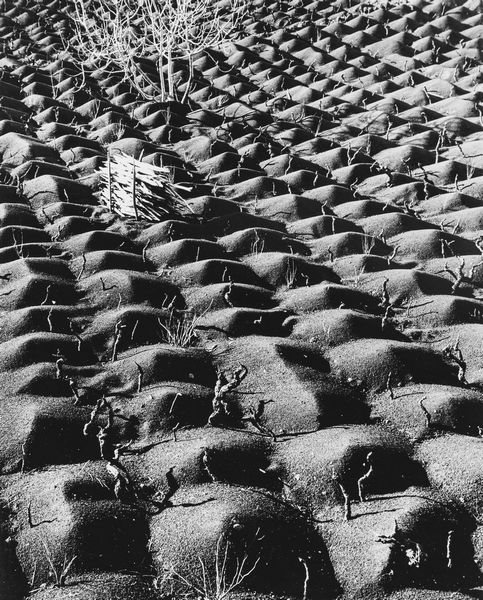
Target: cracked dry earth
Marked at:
334, 156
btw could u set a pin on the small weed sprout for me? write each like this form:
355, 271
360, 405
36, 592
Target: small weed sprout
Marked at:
356, 279
58, 573
291, 274
119, 130
470, 171
180, 328
368, 243
476, 315
258, 244
217, 582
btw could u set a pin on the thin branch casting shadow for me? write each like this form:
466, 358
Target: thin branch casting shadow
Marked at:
376, 512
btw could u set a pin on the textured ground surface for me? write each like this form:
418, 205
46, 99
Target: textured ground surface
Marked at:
334, 154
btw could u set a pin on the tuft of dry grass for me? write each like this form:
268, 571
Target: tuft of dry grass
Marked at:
58, 573
180, 328
217, 582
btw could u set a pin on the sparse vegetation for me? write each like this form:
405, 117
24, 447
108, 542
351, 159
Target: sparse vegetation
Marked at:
58, 574
254, 417
453, 353
222, 410
460, 275
179, 329
291, 273
121, 33
217, 581
409, 552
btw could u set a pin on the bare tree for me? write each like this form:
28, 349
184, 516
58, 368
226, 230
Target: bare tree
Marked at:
124, 33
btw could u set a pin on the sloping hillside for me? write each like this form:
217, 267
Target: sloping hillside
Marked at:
278, 392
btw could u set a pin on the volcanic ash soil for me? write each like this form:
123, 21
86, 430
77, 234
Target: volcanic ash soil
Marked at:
291, 369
